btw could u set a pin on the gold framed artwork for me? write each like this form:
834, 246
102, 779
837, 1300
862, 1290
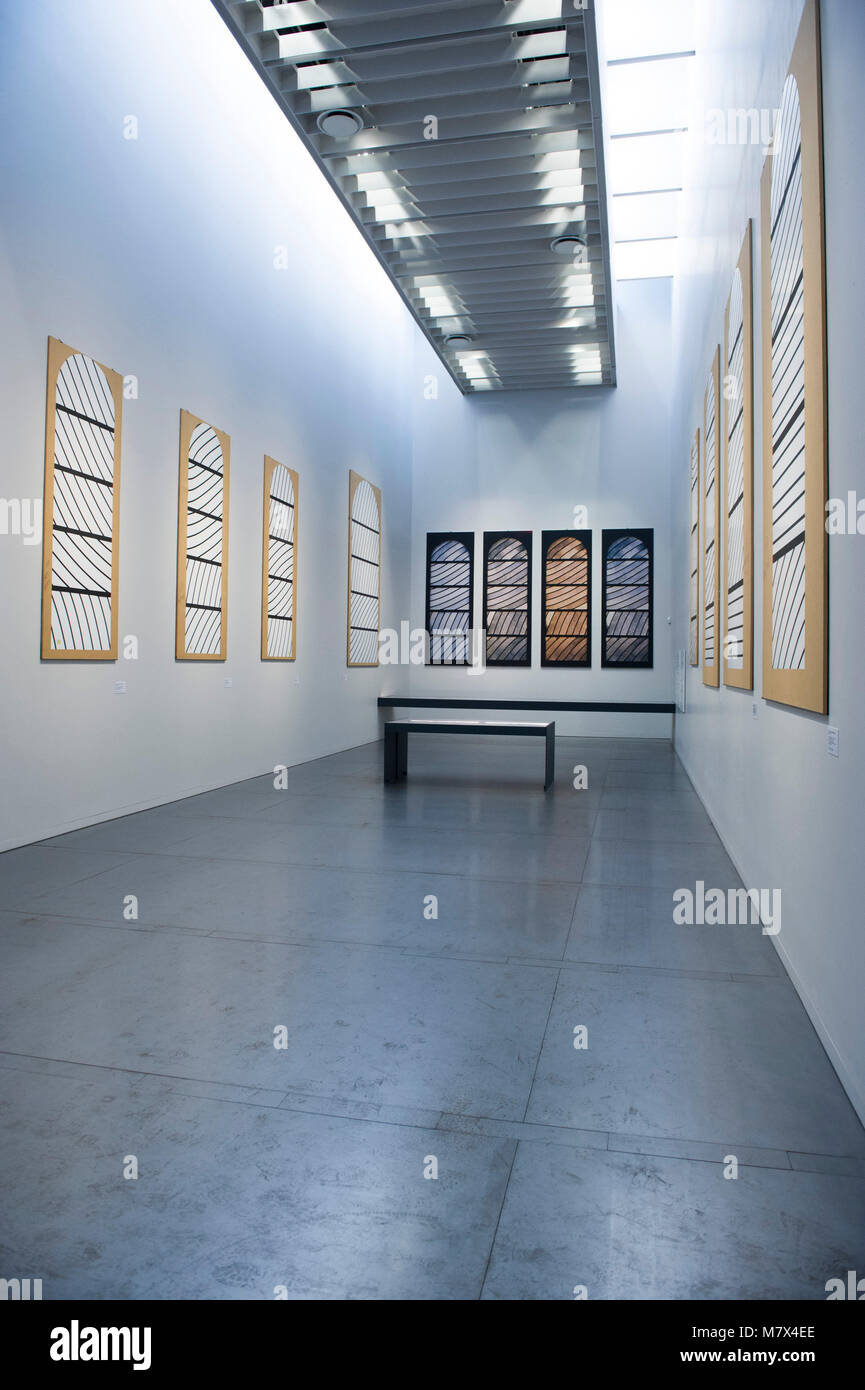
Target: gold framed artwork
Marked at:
738, 476
694, 553
81, 507
795, 544
710, 507
279, 562
202, 542
364, 572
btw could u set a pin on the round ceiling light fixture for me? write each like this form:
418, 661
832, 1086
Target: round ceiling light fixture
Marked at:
339, 125
458, 340
569, 245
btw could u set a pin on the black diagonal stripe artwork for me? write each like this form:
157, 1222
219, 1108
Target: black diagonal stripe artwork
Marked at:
204, 542
735, 481
364, 571
82, 581
710, 539
280, 563
788, 389
694, 555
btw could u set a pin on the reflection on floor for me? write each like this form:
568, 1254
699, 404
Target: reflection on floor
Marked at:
332, 991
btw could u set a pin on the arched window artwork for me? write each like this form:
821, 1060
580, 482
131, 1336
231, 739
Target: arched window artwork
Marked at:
507, 597
626, 599
81, 507
711, 511
737, 434
566, 598
364, 571
202, 546
694, 555
449, 586
279, 563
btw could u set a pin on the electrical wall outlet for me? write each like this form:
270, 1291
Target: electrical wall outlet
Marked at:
831, 741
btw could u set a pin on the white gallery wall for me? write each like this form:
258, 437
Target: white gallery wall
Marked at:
159, 256
524, 460
790, 814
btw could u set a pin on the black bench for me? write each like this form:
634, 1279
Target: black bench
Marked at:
396, 732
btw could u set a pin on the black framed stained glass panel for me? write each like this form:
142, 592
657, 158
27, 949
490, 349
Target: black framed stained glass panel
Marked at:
626, 599
508, 597
566, 598
450, 558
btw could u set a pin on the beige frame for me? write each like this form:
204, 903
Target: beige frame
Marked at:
188, 423
742, 679
694, 614
354, 482
58, 353
270, 465
711, 669
809, 688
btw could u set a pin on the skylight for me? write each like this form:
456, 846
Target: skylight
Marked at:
649, 51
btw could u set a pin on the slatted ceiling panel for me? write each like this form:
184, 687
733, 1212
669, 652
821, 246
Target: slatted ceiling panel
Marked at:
462, 222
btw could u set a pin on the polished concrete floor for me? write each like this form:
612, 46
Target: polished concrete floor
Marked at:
332, 990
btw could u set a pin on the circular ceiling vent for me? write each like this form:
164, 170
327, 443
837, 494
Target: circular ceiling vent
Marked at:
339, 125
569, 245
458, 340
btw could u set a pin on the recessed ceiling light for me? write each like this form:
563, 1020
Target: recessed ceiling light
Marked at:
458, 340
568, 245
339, 125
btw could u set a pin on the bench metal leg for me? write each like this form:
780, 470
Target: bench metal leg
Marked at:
550, 758
390, 755
402, 754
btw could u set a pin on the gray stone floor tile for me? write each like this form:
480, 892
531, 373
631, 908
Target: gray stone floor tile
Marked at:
634, 926
232, 1202
661, 1228
712, 1060
362, 1023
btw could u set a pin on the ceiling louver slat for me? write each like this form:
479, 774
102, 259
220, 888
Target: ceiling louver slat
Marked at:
464, 138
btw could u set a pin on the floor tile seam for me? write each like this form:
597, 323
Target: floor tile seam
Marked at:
437, 1116
553, 994
511, 958
495, 1232
319, 868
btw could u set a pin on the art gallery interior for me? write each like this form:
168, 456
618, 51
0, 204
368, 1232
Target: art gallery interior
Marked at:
486, 365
